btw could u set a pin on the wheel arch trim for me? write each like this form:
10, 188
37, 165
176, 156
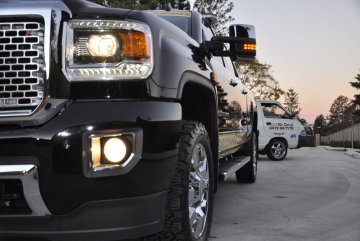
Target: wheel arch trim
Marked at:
190, 77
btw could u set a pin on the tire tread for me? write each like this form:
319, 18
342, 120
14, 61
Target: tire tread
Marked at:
176, 225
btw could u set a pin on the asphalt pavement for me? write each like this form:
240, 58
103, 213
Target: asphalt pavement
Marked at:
312, 195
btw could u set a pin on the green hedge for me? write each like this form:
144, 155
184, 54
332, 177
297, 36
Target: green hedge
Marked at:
343, 144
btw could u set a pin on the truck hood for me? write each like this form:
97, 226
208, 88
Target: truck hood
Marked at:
75, 8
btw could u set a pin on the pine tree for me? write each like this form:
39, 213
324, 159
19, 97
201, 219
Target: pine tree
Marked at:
341, 112
320, 125
292, 102
221, 8
182, 5
356, 101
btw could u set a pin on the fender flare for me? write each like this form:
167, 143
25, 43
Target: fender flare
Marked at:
190, 76
196, 78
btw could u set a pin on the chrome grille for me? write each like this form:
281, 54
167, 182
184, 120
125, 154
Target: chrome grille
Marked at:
22, 68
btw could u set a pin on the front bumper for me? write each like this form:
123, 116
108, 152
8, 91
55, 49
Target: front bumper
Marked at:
100, 220
127, 205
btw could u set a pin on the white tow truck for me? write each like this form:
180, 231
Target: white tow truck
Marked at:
278, 130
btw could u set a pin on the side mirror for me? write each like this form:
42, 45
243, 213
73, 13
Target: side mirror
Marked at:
242, 43
246, 45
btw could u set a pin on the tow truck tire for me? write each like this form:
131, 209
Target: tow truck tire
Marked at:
190, 198
248, 173
277, 150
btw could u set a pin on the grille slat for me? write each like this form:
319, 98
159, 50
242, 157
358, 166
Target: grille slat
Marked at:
21, 67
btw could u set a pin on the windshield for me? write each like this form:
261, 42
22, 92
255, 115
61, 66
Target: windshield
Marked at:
179, 19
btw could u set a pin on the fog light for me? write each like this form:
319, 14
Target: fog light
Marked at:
111, 152
115, 150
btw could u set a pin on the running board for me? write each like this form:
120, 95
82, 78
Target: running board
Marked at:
228, 168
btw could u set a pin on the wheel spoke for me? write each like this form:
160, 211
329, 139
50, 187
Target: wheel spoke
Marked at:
198, 190
200, 221
195, 161
203, 203
203, 168
192, 216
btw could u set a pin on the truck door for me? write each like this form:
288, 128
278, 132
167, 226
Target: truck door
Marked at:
279, 123
232, 109
232, 101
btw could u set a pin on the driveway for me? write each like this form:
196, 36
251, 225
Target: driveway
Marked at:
314, 194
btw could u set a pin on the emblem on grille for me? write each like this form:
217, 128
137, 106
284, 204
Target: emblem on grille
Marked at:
5, 102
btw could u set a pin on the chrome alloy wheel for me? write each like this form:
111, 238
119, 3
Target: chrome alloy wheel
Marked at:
198, 191
278, 149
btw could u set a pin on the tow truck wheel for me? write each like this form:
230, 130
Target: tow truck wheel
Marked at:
276, 150
190, 198
248, 173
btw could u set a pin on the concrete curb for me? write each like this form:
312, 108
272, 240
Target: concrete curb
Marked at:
354, 153
330, 148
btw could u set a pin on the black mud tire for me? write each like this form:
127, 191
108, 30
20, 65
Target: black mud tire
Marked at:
275, 155
177, 224
248, 173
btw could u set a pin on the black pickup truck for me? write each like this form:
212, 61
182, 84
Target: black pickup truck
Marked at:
117, 124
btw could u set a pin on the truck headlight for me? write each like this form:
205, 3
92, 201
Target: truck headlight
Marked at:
102, 45
107, 50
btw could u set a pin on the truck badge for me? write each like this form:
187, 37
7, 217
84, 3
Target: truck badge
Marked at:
6, 102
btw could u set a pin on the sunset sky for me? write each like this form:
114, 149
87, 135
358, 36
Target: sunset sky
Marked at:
312, 45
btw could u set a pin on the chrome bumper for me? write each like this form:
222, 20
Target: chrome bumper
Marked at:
28, 174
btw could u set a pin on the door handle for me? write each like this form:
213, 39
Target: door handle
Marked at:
233, 83
223, 114
268, 123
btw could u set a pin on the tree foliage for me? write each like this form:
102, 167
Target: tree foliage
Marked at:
341, 112
303, 121
259, 79
221, 8
356, 101
320, 125
291, 102
145, 4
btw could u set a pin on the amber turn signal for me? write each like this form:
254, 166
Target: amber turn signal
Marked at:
134, 44
249, 46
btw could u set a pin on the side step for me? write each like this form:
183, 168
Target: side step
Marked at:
228, 168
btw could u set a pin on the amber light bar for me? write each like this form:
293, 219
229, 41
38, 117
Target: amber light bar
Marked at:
249, 46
